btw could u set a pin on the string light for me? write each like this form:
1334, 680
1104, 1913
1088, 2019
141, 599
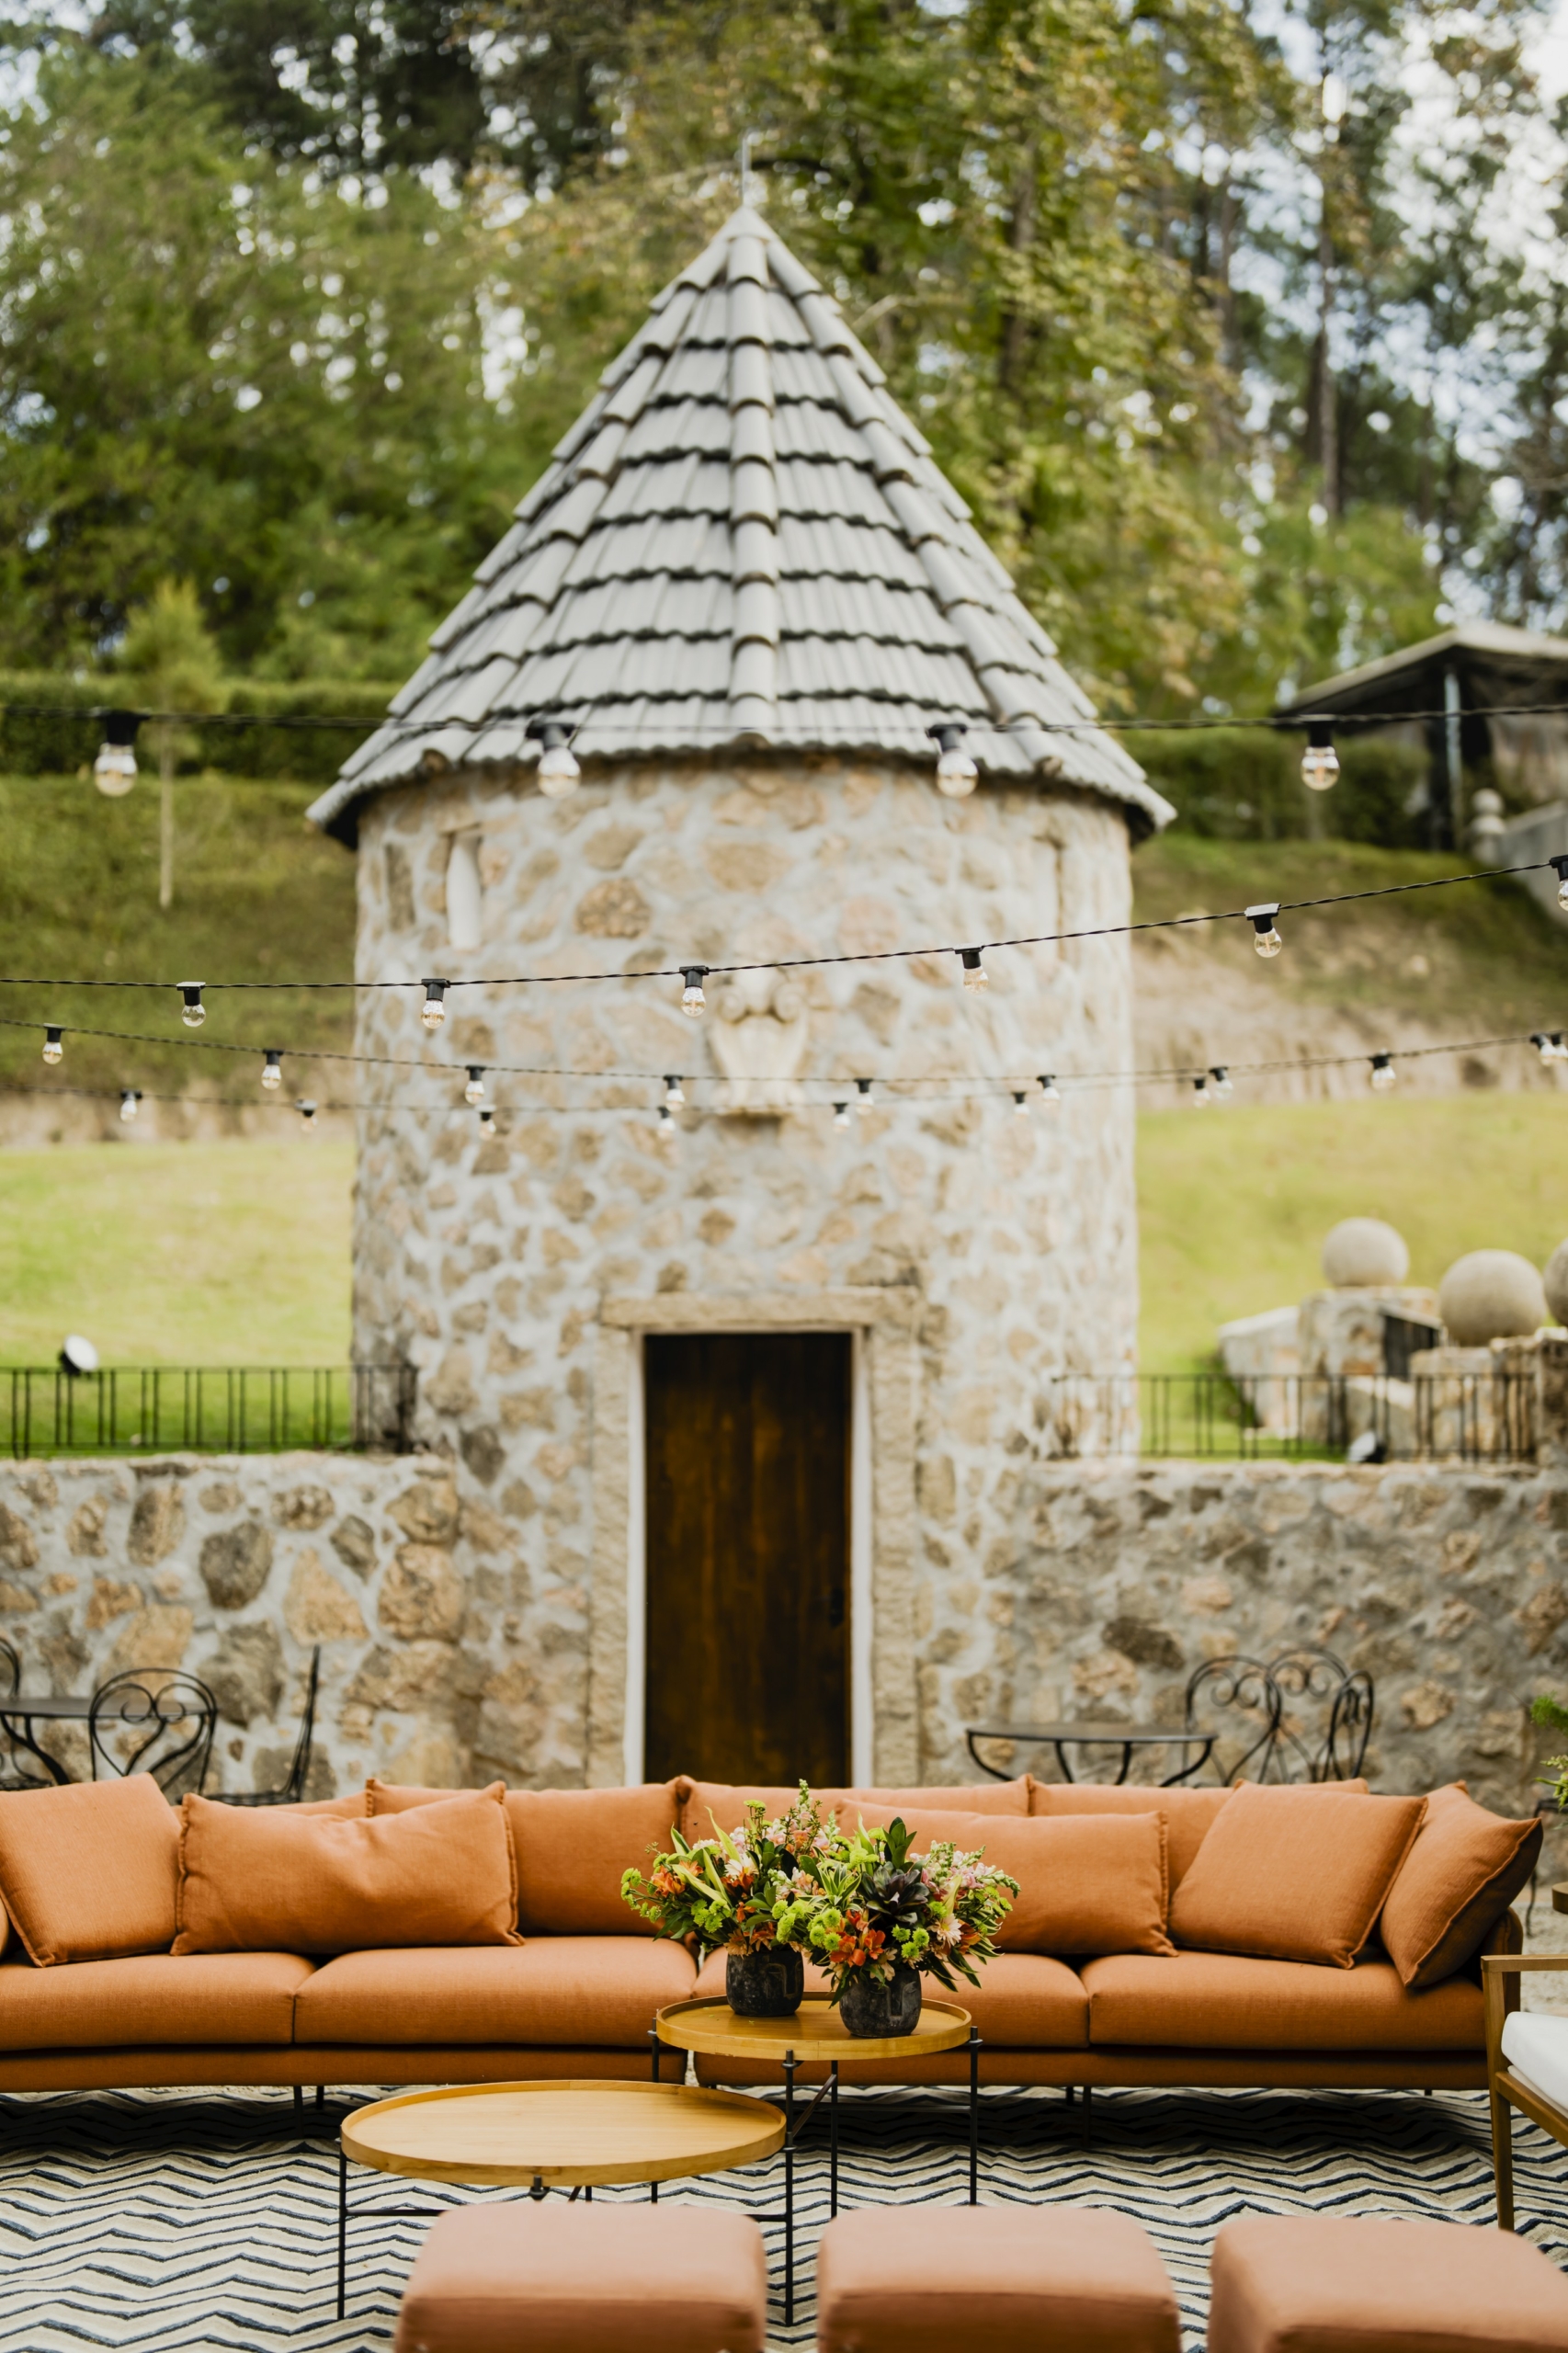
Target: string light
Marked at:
957, 775
1202, 1097
114, 770
1560, 867
1383, 1076
841, 1118
1050, 1092
1223, 1089
193, 1013
53, 1045
1319, 761
129, 1098
432, 1012
307, 1112
1020, 1105
975, 972
473, 1093
863, 1096
487, 1121
692, 1000
667, 1123
675, 1093
272, 1068
1265, 938
558, 770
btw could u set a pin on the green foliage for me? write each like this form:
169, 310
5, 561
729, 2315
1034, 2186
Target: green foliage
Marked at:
1236, 784
41, 736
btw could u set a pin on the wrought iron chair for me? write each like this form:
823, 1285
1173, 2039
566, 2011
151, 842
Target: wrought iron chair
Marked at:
167, 1722
1311, 1673
1349, 1728
293, 1789
1248, 1684
12, 1773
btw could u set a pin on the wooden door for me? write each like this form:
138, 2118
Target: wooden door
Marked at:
748, 1557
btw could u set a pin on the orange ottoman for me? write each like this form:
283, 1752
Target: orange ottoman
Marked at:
1014, 2278
1332, 2283
586, 2279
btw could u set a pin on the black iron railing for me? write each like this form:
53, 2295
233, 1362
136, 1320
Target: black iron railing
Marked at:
1465, 1416
163, 1409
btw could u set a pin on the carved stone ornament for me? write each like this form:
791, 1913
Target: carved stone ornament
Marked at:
759, 1038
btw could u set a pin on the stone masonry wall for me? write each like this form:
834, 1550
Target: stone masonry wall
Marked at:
446, 1660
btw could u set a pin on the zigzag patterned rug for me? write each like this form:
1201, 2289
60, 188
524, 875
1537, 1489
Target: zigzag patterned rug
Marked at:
172, 2222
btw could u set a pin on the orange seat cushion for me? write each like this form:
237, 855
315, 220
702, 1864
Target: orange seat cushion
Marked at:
1012, 2279
560, 2278
1221, 2001
90, 1872
1294, 1874
600, 1990
1340, 2283
267, 1881
150, 2001
1459, 1879
1085, 1884
1189, 1814
1025, 2001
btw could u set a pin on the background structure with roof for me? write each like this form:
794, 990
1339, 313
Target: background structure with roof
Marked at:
747, 593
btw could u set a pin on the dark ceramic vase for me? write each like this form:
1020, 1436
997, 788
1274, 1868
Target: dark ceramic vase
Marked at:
872, 2010
766, 1984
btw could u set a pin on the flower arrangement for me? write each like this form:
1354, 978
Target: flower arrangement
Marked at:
725, 1892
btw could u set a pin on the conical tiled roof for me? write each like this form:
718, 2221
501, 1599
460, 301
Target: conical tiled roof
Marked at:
742, 538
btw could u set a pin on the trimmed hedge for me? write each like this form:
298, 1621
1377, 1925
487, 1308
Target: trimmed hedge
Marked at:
61, 736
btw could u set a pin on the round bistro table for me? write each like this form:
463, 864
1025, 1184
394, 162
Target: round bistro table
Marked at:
578, 2134
815, 2035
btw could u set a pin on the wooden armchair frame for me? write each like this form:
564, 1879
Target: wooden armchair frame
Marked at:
1500, 1973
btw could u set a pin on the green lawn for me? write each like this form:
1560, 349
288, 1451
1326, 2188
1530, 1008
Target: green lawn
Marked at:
1233, 1205
218, 1253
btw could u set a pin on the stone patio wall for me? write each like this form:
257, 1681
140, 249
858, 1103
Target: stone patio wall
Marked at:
448, 1657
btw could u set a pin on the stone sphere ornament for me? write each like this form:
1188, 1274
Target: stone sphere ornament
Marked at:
1491, 1295
1556, 1283
1362, 1252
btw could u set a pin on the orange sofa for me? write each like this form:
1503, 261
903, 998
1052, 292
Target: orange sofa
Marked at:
578, 1995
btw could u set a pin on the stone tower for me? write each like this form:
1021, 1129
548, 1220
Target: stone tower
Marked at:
748, 595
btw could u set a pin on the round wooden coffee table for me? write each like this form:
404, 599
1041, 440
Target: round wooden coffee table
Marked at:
815, 2034
576, 2133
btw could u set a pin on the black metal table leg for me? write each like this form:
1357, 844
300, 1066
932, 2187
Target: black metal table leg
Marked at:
832, 2145
299, 2104
973, 2116
789, 2189
653, 2046
342, 2227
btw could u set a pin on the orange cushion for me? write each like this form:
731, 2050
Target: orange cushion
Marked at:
702, 1799
563, 2278
1090, 1885
1014, 2278
90, 1872
573, 1846
1223, 2001
974, 1797
1298, 1874
150, 2001
594, 1990
351, 1807
1189, 1811
1459, 1879
1376, 2283
264, 1880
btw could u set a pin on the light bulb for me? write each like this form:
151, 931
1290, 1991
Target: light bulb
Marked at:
129, 1098
193, 1012
474, 1091
53, 1046
1558, 1047
114, 770
487, 1121
667, 1124
432, 1012
307, 1112
1383, 1074
557, 771
1266, 939
675, 1093
692, 1000
841, 1118
272, 1068
957, 775
1560, 867
863, 1096
1223, 1089
1201, 1098
1050, 1093
1319, 761
974, 973
1543, 1045
1020, 1105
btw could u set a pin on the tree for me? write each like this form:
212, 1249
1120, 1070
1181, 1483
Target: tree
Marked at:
169, 658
